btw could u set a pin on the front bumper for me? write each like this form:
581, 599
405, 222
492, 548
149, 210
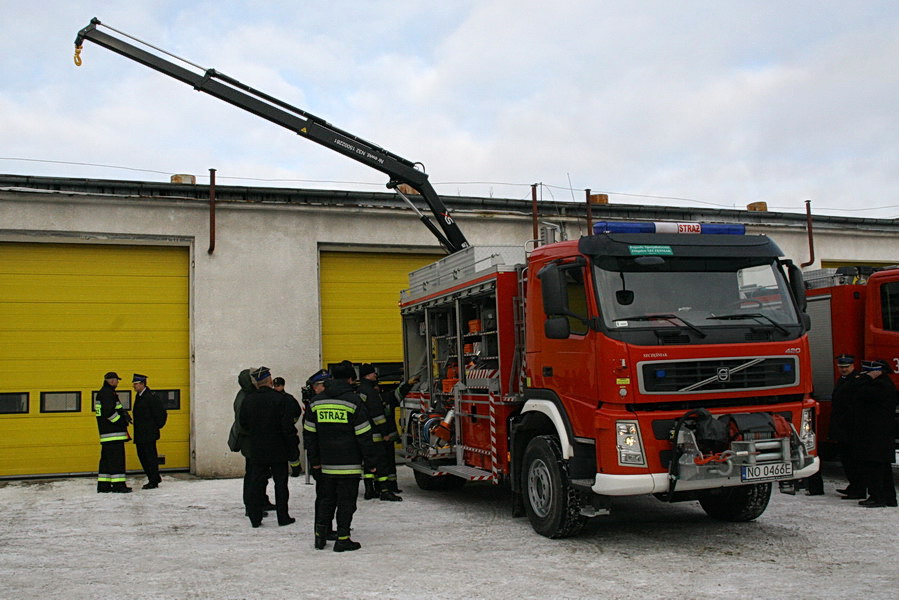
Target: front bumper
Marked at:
657, 483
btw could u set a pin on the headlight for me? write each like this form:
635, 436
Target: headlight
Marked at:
807, 429
630, 448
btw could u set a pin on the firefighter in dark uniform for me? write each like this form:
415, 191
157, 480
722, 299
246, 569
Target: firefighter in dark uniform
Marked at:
274, 443
149, 417
377, 485
112, 421
843, 406
338, 439
391, 401
873, 434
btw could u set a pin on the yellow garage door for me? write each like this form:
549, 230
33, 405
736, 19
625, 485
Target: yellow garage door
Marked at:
360, 292
68, 314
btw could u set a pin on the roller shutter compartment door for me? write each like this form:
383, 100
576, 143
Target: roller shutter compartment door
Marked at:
68, 314
360, 292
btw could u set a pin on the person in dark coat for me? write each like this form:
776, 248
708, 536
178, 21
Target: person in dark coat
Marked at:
377, 485
843, 406
112, 422
338, 439
244, 444
874, 434
274, 443
149, 417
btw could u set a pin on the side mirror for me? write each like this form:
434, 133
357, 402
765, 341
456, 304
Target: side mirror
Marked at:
555, 295
557, 328
797, 284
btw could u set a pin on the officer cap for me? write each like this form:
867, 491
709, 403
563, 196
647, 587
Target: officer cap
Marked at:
260, 374
845, 359
319, 376
873, 365
138, 377
111, 375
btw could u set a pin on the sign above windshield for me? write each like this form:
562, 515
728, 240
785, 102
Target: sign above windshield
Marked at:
644, 249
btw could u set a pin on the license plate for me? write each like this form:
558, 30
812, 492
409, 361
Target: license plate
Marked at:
766, 472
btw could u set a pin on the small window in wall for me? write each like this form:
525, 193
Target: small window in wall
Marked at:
171, 399
124, 398
12, 403
889, 301
54, 402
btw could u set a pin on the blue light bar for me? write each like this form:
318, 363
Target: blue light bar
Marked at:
663, 227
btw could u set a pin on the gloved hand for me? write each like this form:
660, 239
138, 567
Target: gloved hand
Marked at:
316, 471
413, 380
126, 417
295, 470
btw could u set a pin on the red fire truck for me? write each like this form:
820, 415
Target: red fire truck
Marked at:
632, 361
666, 359
854, 310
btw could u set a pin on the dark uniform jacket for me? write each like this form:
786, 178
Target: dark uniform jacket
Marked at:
149, 416
337, 432
875, 418
269, 426
112, 418
842, 407
293, 406
371, 399
246, 386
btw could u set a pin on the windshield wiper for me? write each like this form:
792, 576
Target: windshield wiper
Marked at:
671, 318
737, 316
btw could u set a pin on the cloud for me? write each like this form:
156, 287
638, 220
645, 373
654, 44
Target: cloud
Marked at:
725, 103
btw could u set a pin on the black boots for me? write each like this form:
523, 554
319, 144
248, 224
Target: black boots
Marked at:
104, 487
346, 545
394, 487
321, 535
388, 496
120, 488
369, 489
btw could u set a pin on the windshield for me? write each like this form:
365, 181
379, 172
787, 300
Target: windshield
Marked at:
655, 291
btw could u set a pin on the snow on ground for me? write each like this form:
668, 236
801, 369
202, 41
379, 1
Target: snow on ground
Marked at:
188, 539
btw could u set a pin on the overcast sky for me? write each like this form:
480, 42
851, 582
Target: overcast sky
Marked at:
706, 103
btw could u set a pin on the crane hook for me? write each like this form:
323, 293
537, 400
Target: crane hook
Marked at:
77, 56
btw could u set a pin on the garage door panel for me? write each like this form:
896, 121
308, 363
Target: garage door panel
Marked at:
68, 314
105, 290
23, 316
360, 294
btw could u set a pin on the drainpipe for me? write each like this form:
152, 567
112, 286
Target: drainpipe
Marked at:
536, 235
589, 212
211, 211
811, 236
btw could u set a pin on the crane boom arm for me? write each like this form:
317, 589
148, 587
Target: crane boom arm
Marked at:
232, 91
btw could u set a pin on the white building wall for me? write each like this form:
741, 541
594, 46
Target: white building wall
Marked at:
255, 300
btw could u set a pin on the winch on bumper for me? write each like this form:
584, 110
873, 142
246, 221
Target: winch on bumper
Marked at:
698, 465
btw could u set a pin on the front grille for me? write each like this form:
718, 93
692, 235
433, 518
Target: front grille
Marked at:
697, 376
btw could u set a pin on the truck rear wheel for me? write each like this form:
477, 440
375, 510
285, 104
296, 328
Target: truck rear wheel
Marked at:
552, 505
439, 483
736, 504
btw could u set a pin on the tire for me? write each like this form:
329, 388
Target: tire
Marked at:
552, 505
736, 504
440, 483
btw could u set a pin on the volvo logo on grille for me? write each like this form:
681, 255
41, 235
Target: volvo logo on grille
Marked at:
723, 374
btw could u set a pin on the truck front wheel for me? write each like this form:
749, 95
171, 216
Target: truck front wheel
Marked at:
552, 505
736, 504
